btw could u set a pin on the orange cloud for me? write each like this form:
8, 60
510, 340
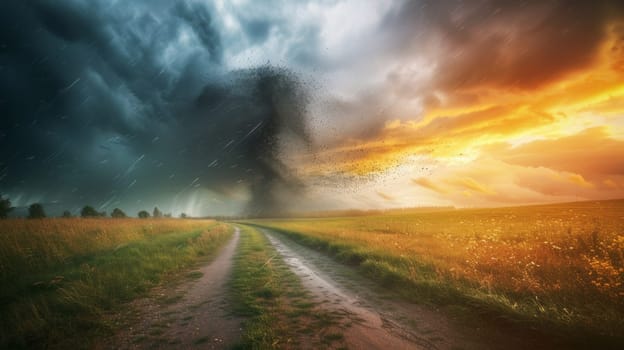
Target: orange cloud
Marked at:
592, 153
385, 196
507, 137
428, 184
610, 183
470, 184
495, 117
511, 184
579, 180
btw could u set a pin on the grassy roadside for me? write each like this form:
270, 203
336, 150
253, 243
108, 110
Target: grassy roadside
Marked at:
61, 306
279, 313
421, 281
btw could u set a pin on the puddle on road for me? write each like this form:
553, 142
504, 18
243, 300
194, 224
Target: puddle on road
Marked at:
369, 328
377, 318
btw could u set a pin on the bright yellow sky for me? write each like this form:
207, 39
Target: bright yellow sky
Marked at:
491, 143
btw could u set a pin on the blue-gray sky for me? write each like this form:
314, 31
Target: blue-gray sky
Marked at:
135, 105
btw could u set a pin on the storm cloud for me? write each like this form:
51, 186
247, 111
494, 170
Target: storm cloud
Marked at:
420, 55
218, 107
525, 43
131, 105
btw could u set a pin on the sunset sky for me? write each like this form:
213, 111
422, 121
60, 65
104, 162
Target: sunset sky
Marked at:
223, 107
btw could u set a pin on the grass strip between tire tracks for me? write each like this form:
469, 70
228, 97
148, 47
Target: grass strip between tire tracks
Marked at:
279, 313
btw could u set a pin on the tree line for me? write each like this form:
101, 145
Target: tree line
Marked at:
36, 211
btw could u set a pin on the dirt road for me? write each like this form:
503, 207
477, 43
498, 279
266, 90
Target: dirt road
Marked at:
378, 319
192, 313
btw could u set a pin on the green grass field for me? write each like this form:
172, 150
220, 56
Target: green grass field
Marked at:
59, 276
555, 268
279, 312
559, 268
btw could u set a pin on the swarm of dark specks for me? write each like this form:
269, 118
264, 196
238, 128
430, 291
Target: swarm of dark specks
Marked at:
265, 110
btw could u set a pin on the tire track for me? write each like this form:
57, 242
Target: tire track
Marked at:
191, 314
367, 327
378, 318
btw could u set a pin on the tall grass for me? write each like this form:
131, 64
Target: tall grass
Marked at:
35, 245
558, 264
59, 275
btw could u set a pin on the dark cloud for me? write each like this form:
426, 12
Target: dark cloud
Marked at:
69, 21
200, 19
447, 53
257, 29
518, 44
237, 125
131, 105
143, 103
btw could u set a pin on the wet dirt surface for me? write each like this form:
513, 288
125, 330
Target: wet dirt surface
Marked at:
376, 317
191, 314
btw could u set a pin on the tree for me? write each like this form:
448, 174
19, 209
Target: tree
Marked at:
35, 211
5, 207
89, 212
118, 213
143, 214
168, 215
67, 214
183, 216
157, 213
